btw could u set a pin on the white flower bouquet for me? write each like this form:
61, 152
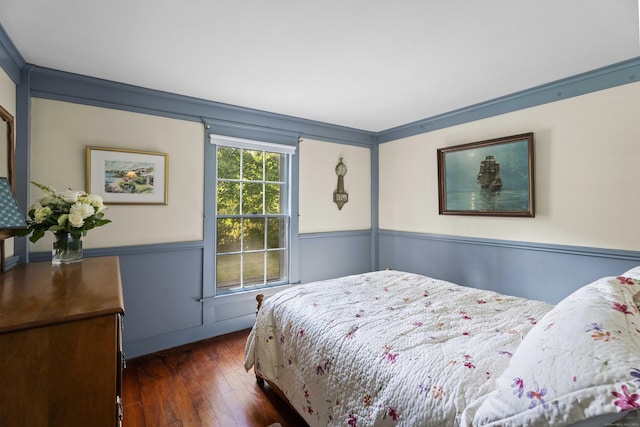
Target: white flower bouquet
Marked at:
73, 212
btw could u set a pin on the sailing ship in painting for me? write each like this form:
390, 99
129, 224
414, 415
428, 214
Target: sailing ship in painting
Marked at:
489, 175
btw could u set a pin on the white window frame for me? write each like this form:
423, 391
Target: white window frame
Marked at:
289, 151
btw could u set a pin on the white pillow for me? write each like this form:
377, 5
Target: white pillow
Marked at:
580, 361
633, 273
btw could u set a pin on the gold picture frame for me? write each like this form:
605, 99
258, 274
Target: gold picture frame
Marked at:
128, 177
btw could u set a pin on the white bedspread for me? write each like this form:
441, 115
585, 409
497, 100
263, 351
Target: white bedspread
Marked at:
387, 348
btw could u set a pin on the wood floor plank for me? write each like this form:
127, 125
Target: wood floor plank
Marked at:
200, 384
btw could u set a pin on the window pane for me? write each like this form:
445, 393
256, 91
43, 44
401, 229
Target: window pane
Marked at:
273, 200
228, 235
228, 163
252, 198
277, 266
273, 164
251, 185
228, 198
276, 233
253, 268
252, 165
228, 271
253, 232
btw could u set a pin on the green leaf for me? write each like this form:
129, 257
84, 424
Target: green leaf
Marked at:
37, 235
23, 232
43, 187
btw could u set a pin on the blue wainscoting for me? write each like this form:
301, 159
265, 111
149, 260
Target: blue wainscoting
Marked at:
164, 302
537, 271
329, 255
161, 294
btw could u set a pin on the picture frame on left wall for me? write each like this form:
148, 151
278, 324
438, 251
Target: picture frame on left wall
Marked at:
128, 177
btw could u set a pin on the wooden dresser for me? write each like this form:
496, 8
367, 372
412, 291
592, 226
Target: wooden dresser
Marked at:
61, 345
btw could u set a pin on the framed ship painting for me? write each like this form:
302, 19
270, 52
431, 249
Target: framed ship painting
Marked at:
491, 178
128, 177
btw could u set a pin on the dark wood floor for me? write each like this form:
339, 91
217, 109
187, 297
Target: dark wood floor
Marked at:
200, 384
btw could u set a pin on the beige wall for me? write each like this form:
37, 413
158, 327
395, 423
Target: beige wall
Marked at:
318, 181
8, 102
60, 133
587, 185
7, 93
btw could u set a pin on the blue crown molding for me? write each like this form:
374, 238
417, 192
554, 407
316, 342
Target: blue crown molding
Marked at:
580, 84
11, 61
62, 86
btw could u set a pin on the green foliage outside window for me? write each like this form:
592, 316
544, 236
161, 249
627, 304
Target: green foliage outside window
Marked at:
250, 188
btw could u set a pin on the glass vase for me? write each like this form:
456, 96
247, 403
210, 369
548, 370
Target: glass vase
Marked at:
67, 249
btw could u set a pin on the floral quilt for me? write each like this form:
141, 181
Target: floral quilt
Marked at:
387, 348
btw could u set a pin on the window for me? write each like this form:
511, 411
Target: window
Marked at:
252, 213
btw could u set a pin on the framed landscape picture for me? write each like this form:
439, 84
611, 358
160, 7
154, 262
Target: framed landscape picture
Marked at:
128, 176
492, 178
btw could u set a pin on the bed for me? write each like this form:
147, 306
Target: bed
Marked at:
391, 348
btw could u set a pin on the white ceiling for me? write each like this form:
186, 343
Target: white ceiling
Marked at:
366, 64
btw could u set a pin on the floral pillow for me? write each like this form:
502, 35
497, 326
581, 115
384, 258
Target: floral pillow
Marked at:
581, 360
